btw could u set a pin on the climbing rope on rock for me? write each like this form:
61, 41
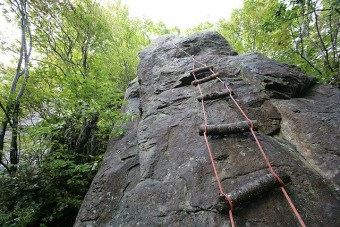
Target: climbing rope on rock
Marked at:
215, 75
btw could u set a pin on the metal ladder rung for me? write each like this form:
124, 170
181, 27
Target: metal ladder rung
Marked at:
250, 191
214, 95
205, 79
201, 70
225, 129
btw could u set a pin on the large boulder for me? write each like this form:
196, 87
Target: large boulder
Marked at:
158, 173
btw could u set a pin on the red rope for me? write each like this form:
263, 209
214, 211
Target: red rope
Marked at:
264, 154
257, 142
293, 207
253, 133
211, 154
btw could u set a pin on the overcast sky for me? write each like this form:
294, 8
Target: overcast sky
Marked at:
182, 13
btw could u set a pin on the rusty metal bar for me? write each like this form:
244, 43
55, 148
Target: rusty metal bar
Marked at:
225, 129
250, 191
205, 79
201, 70
214, 95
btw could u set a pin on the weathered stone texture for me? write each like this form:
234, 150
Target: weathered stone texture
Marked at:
159, 173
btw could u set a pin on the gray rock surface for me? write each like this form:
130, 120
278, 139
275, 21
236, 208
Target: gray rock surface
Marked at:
159, 173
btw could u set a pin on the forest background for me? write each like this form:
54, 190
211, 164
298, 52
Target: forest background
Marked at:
60, 99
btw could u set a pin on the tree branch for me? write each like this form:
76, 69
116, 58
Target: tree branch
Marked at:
50, 63
326, 57
6, 114
6, 166
309, 63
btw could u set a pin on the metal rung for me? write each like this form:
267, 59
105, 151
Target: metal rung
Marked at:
250, 191
225, 129
201, 70
205, 79
215, 95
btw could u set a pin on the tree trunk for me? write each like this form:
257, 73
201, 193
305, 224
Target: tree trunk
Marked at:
2, 139
14, 152
12, 107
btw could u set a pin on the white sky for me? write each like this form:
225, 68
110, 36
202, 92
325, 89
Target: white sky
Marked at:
182, 13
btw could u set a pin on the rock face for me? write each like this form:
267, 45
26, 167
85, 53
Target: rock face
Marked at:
159, 172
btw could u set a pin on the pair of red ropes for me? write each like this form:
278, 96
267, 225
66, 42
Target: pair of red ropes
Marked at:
257, 142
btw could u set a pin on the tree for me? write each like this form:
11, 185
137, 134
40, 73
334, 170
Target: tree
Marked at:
12, 106
257, 30
314, 28
303, 33
89, 54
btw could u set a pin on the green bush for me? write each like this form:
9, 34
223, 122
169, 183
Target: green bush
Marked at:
48, 194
